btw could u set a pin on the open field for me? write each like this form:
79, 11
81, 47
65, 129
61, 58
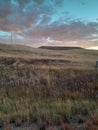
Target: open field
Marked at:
70, 58
52, 89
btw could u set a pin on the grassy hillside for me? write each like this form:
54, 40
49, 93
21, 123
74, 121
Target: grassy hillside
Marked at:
53, 87
72, 58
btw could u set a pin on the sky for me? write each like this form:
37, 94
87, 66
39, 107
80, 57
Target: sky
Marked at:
49, 22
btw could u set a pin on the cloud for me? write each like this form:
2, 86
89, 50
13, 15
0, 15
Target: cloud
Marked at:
65, 32
36, 20
12, 14
25, 13
5, 8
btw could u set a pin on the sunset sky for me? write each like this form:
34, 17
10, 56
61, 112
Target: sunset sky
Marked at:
49, 22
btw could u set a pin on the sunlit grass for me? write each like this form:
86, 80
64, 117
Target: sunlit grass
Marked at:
54, 91
47, 110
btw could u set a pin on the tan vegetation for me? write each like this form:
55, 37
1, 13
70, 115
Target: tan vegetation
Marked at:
55, 87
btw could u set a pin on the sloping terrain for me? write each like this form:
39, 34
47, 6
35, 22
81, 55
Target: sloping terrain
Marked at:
71, 58
54, 87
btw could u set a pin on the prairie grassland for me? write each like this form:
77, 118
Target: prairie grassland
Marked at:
48, 85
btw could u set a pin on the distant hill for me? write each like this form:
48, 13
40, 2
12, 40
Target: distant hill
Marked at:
59, 48
14, 47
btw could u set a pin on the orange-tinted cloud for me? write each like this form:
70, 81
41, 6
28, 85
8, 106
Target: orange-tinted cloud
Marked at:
38, 20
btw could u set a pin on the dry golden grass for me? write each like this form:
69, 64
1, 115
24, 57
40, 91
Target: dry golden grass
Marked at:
72, 58
48, 85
